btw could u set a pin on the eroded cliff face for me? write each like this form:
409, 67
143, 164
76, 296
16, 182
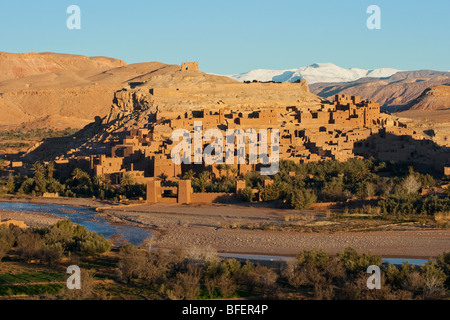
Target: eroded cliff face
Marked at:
434, 98
183, 91
26, 108
60, 90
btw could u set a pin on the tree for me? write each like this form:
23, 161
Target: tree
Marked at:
434, 278
219, 168
87, 287
79, 174
189, 175
127, 180
354, 262
301, 199
50, 169
410, 185
203, 180
227, 168
186, 285
7, 239
246, 194
163, 177
156, 266
131, 261
38, 169
28, 245
3, 164
10, 185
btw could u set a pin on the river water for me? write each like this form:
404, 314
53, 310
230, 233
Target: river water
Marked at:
89, 218
83, 216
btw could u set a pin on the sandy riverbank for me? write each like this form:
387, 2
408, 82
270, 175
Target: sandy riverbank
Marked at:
203, 225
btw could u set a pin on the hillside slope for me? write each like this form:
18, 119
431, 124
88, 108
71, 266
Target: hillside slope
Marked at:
392, 93
21, 65
60, 90
435, 98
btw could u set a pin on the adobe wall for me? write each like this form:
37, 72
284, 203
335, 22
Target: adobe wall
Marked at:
209, 197
447, 171
189, 66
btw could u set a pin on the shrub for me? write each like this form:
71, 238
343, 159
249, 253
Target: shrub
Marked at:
186, 285
257, 277
7, 239
246, 194
442, 219
317, 258
443, 262
76, 239
301, 199
29, 245
354, 262
131, 260
434, 279
201, 255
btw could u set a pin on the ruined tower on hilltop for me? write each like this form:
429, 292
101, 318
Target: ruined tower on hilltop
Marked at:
189, 66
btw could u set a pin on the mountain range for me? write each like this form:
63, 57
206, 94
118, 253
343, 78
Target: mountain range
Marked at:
394, 89
318, 72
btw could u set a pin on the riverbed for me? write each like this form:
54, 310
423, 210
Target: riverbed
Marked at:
247, 246
86, 217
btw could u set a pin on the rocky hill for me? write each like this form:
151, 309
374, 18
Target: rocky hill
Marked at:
22, 65
59, 90
393, 93
435, 98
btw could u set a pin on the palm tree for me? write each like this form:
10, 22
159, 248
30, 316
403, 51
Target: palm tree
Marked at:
99, 181
50, 169
127, 180
203, 180
219, 167
38, 169
78, 174
227, 168
163, 177
189, 175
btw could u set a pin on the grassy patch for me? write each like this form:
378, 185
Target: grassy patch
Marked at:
30, 289
31, 277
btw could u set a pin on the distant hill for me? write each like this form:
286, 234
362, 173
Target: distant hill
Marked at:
393, 93
61, 90
435, 98
21, 65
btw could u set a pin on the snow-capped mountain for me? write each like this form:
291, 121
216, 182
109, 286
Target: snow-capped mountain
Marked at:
318, 72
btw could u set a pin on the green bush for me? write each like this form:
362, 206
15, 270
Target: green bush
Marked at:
76, 239
301, 199
355, 262
246, 194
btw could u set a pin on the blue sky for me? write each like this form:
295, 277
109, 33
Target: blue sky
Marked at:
230, 36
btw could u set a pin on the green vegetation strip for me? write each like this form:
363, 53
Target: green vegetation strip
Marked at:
30, 289
30, 277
